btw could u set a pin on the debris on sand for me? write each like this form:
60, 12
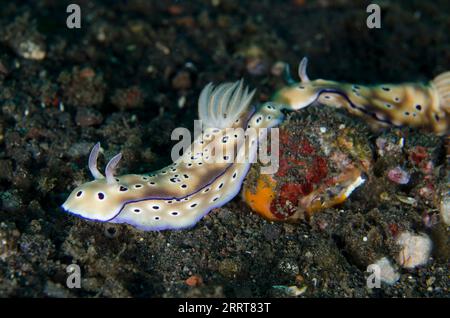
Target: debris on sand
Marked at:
388, 272
319, 168
398, 175
415, 249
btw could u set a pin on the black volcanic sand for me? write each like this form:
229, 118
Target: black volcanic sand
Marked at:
132, 74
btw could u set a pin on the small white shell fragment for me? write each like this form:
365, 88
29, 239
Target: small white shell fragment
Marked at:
406, 200
31, 50
415, 249
163, 48
388, 272
150, 69
181, 101
291, 290
445, 209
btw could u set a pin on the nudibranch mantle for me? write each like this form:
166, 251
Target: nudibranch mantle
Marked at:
425, 105
180, 194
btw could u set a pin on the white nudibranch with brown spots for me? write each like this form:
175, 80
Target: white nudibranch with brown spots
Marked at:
179, 195
425, 105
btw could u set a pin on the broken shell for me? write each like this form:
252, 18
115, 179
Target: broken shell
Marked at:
31, 50
316, 172
388, 272
415, 249
406, 200
445, 209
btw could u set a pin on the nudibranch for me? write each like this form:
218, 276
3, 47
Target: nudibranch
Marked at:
179, 195
418, 105
425, 105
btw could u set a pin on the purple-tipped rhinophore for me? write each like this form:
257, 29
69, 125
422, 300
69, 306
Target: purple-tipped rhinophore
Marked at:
111, 167
287, 75
93, 156
302, 70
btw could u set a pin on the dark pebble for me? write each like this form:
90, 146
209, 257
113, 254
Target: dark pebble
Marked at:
86, 117
182, 81
6, 170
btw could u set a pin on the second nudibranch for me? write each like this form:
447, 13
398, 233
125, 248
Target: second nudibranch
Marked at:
180, 194
421, 105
